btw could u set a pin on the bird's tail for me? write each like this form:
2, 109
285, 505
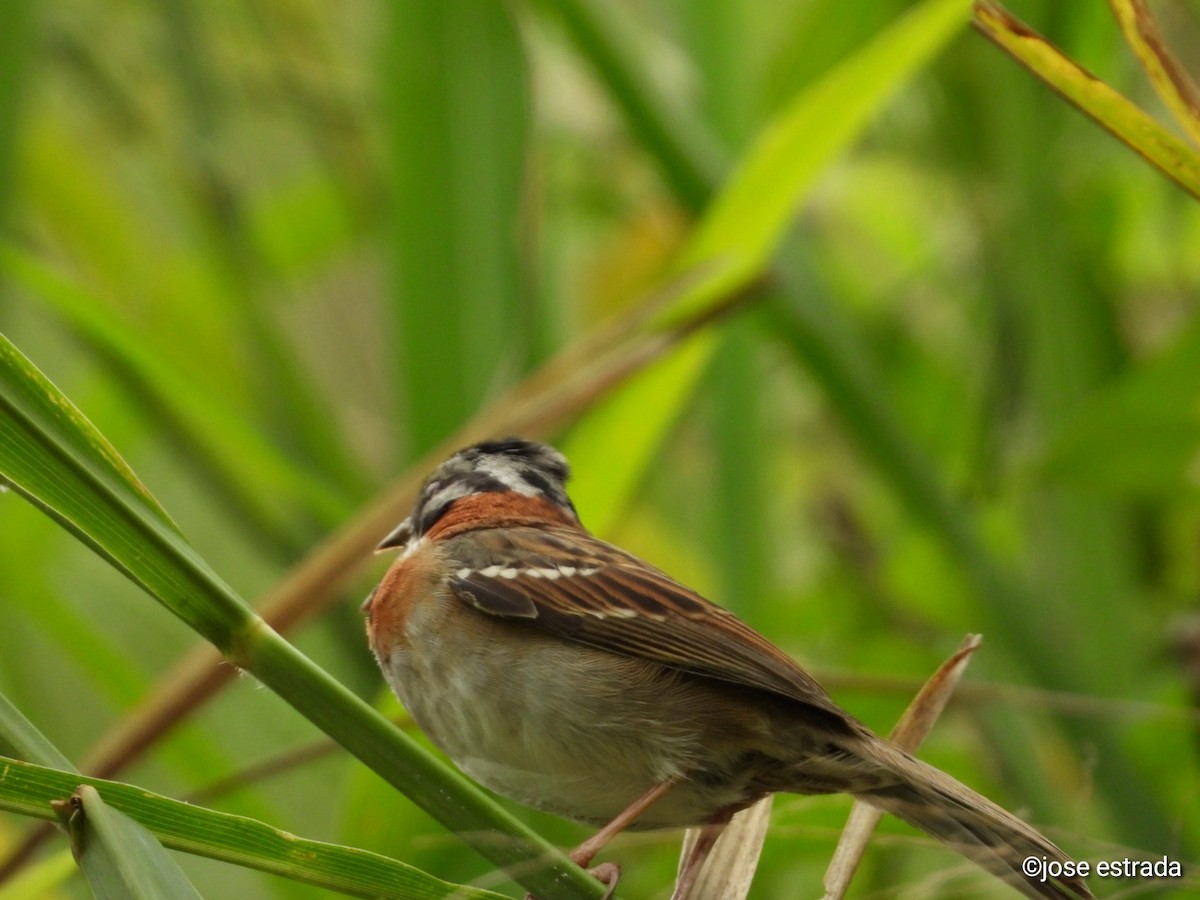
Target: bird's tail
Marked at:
995, 839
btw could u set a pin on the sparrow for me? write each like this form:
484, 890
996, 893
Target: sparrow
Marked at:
566, 674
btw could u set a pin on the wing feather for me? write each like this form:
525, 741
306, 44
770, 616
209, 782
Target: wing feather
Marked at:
577, 586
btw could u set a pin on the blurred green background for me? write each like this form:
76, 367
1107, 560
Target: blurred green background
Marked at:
276, 250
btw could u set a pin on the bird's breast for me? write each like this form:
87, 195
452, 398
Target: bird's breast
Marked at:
556, 725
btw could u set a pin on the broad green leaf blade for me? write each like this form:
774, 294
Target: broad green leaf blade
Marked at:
1172, 81
724, 41
120, 859
40, 433
459, 112
1113, 112
28, 790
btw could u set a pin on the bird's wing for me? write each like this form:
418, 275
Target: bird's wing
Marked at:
572, 584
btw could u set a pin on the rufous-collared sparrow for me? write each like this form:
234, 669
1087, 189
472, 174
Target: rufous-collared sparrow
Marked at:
571, 676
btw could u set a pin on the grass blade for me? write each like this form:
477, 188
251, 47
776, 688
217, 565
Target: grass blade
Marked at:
120, 859
687, 154
459, 109
29, 790
916, 722
1172, 81
1111, 111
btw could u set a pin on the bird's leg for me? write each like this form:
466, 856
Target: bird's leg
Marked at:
585, 852
689, 869
609, 873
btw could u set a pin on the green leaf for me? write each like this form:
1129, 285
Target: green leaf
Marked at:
459, 113
120, 859
1170, 79
77, 442
1120, 117
29, 790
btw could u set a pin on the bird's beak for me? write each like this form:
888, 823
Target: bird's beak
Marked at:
397, 538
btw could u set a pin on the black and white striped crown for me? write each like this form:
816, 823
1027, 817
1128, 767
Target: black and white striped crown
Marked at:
511, 464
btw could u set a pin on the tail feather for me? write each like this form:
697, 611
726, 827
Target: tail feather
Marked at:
988, 835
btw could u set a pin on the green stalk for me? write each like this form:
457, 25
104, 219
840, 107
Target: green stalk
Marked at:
55, 458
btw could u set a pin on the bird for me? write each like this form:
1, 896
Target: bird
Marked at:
571, 676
